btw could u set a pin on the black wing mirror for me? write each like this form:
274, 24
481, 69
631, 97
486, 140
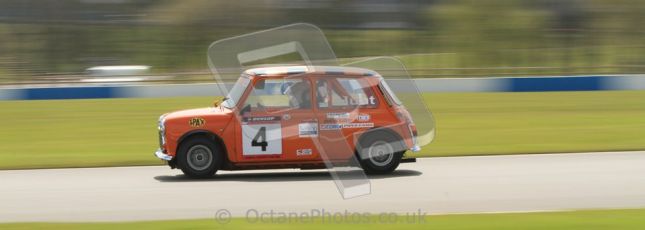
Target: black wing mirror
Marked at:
245, 109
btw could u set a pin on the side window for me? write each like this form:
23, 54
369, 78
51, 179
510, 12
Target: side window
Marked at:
353, 91
340, 100
280, 93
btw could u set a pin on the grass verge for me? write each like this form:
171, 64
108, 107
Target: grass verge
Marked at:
572, 220
119, 132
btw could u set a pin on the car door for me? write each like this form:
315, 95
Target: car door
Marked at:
278, 125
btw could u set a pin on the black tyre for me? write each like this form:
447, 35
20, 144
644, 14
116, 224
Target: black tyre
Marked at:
199, 157
380, 152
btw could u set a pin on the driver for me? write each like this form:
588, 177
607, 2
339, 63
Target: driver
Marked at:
322, 95
299, 95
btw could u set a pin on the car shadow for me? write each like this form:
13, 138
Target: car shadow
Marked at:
283, 176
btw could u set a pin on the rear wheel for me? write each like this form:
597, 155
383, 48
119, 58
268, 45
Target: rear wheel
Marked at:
199, 157
378, 153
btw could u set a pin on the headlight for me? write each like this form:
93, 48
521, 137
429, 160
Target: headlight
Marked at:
162, 130
160, 123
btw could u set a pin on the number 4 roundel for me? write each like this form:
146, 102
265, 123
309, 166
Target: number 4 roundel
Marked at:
261, 139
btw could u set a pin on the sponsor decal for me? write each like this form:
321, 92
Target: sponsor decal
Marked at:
260, 119
307, 130
286, 117
330, 126
345, 126
196, 122
363, 117
338, 121
338, 116
357, 125
372, 100
303, 152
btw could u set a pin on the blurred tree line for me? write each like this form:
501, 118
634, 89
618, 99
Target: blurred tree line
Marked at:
570, 36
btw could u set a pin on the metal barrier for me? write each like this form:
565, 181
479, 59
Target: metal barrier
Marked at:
493, 84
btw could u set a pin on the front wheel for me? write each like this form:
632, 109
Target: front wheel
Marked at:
378, 153
199, 157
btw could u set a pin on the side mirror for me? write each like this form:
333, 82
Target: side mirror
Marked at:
246, 109
218, 102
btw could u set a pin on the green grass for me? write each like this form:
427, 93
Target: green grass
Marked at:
80, 133
574, 220
117, 132
511, 123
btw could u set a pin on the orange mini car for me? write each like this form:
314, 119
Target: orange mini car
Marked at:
292, 117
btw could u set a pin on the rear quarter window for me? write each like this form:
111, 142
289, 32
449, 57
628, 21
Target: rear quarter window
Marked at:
389, 94
359, 93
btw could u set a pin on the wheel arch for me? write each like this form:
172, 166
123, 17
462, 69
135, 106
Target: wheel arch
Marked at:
384, 130
206, 134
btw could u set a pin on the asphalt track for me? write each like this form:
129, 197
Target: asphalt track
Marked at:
516, 183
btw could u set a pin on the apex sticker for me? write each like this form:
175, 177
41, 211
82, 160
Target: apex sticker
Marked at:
196, 122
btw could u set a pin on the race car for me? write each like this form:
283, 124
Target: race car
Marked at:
292, 117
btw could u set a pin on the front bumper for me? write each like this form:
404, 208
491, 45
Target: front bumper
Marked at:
161, 155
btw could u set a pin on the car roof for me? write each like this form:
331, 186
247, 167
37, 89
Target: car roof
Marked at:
322, 70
